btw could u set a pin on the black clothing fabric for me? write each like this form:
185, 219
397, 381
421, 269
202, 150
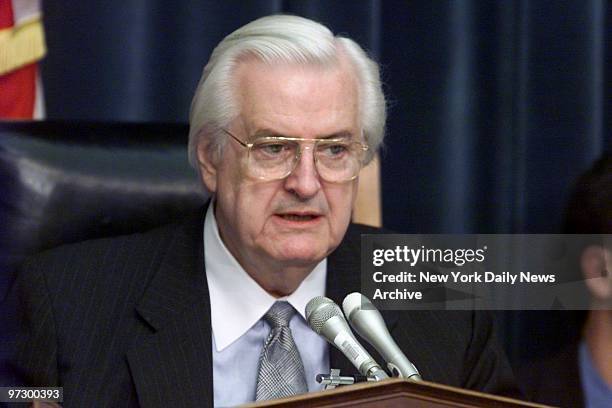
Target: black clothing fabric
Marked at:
125, 321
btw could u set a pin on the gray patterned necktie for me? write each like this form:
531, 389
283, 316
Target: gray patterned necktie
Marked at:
281, 371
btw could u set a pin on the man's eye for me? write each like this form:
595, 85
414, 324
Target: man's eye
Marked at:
334, 150
273, 148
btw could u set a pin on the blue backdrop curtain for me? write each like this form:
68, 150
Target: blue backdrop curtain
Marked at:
495, 107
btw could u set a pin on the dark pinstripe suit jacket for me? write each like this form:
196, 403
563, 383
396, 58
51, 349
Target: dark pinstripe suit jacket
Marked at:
125, 321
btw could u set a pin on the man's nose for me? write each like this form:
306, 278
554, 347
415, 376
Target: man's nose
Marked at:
304, 181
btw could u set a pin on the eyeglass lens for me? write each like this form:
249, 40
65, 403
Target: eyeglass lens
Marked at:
336, 161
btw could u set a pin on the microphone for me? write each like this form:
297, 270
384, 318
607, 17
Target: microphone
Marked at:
326, 319
367, 321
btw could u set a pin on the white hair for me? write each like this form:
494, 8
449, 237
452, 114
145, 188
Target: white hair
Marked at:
288, 39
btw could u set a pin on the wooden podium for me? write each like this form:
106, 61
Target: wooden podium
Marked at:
396, 392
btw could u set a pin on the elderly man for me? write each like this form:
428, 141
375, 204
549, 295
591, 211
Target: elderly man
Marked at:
211, 310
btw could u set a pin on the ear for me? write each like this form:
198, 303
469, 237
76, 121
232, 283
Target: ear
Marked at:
207, 163
596, 273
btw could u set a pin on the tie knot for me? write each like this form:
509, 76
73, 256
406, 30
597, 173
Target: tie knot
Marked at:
279, 314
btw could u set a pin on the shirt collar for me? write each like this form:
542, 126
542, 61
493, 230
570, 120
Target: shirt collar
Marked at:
237, 302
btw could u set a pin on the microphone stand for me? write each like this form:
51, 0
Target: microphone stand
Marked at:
334, 379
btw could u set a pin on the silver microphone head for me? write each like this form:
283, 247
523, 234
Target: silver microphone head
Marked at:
355, 301
319, 310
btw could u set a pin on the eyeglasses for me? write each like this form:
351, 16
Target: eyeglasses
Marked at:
274, 158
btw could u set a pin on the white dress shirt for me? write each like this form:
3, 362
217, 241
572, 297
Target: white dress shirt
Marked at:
237, 305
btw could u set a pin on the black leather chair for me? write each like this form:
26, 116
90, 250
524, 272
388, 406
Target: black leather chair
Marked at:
64, 182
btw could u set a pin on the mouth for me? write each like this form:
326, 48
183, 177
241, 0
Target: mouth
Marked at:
299, 217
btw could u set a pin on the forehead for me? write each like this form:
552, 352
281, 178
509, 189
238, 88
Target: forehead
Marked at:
297, 100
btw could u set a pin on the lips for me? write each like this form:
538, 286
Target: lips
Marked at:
299, 216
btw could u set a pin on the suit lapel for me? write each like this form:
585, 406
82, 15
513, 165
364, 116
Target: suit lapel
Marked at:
172, 363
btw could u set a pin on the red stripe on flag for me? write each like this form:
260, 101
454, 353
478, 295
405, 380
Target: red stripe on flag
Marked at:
17, 93
6, 14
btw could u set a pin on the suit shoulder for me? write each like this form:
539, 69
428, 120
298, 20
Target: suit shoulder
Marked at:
93, 260
98, 244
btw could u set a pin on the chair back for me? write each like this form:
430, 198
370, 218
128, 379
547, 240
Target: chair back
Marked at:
63, 182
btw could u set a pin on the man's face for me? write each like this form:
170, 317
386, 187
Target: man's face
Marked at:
299, 220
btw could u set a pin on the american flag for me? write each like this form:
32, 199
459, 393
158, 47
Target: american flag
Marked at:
22, 45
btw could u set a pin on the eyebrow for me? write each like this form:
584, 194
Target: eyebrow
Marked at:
345, 134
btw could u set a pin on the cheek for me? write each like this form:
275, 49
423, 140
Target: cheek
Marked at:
252, 203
